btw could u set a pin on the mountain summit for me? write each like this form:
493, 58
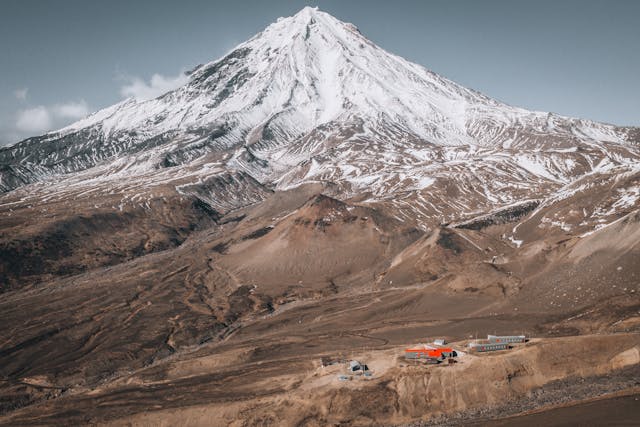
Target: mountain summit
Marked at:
310, 99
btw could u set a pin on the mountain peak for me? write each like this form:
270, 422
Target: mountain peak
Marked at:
309, 70
312, 15
308, 11
303, 23
279, 102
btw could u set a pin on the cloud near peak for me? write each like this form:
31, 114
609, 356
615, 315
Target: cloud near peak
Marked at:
34, 120
39, 119
71, 110
158, 85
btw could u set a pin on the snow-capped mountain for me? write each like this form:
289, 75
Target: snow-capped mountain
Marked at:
310, 99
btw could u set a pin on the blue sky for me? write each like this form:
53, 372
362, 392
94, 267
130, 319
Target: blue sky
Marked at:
62, 59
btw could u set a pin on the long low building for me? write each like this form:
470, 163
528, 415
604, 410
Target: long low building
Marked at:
506, 338
488, 346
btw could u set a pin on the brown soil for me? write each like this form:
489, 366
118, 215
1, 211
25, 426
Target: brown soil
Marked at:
183, 314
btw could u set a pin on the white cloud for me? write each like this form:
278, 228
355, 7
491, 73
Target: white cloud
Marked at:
71, 110
34, 120
158, 85
40, 119
21, 94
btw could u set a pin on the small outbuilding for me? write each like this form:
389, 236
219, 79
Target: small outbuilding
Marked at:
355, 366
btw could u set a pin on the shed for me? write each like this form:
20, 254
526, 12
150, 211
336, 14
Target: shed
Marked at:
354, 365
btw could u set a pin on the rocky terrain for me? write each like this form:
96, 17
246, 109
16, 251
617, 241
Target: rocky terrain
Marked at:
191, 258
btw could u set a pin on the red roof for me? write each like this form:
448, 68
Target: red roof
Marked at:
429, 352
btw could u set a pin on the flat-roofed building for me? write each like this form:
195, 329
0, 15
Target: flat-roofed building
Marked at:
488, 346
506, 338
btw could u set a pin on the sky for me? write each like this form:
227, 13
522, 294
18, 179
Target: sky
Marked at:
60, 60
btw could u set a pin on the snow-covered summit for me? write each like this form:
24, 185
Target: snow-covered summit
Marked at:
310, 66
312, 69
310, 99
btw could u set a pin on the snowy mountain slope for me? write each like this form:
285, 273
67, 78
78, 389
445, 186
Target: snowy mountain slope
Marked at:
310, 99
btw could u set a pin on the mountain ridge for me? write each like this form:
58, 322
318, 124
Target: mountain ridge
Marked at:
310, 99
